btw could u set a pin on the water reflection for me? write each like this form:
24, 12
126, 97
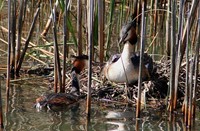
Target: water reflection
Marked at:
22, 116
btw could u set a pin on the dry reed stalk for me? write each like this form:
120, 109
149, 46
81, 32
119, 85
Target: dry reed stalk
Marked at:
1, 111
163, 14
101, 10
189, 124
86, 24
33, 57
196, 67
178, 55
191, 83
137, 125
192, 12
79, 26
185, 104
19, 32
142, 46
155, 27
172, 54
64, 45
13, 38
56, 51
90, 47
27, 41
32, 44
168, 30
9, 49
47, 26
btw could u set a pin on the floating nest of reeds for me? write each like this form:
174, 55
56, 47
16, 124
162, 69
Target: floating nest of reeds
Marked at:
154, 91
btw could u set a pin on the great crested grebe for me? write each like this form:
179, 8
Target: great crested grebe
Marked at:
124, 67
65, 99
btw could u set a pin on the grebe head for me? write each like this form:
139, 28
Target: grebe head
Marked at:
128, 33
79, 63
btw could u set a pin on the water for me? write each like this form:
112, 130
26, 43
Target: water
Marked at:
23, 116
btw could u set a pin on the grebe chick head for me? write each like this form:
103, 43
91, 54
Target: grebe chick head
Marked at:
79, 63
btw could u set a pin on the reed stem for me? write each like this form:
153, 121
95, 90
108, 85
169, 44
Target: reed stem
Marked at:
19, 27
172, 53
27, 41
142, 46
64, 45
79, 26
196, 67
1, 111
90, 46
9, 50
178, 55
101, 10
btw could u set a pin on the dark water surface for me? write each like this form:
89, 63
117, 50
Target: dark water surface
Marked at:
23, 117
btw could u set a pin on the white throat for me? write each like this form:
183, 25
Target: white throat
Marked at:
127, 51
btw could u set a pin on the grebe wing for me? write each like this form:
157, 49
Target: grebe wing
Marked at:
147, 60
114, 58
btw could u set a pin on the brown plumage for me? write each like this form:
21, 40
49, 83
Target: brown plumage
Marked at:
65, 99
80, 62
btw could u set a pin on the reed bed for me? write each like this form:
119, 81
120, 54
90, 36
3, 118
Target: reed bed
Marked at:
171, 38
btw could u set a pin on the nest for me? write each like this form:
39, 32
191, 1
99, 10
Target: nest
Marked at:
154, 91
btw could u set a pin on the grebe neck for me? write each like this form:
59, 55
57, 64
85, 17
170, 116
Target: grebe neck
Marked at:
75, 83
127, 50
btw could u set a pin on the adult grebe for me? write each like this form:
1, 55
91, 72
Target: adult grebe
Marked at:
124, 67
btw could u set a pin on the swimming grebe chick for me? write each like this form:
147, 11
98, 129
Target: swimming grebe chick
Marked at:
64, 99
125, 67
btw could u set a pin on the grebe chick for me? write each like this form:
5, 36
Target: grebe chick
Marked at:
64, 99
124, 67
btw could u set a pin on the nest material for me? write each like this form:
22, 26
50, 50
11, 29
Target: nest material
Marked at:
154, 90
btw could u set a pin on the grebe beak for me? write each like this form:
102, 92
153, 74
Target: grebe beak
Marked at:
122, 39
